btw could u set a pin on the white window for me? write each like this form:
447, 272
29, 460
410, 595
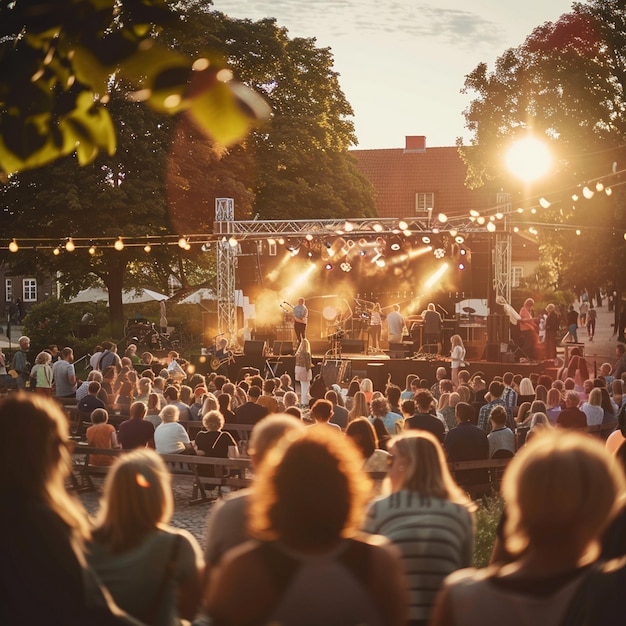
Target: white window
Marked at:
29, 289
517, 273
8, 290
424, 201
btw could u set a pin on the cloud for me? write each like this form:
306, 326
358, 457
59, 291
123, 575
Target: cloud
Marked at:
401, 18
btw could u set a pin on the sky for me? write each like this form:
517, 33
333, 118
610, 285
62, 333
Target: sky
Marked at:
402, 63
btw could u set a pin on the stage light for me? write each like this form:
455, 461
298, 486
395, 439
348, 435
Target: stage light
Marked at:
608, 191
232, 242
491, 227
461, 266
345, 266
459, 239
588, 193
380, 261
426, 239
395, 244
462, 251
377, 227
328, 266
402, 225
545, 204
439, 253
442, 217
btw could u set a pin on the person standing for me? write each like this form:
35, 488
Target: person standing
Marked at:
572, 323
432, 326
42, 375
20, 362
457, 357
552, 327
65, 375
301, 319
528, 328
592, 316
304, 369
395, 325
375, 327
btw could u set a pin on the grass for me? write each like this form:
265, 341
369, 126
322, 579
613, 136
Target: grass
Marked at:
487, 518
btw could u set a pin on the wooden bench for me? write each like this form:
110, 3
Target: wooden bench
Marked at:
494, 469
240, 432
232, 473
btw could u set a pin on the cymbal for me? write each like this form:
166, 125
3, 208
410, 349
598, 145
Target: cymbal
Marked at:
469, 309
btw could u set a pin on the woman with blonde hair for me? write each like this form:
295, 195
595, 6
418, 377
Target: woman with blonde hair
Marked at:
310, 563
427, 516
457, 357
561, 491
367, 387
152, 570
303, 369
41, 374
360, 407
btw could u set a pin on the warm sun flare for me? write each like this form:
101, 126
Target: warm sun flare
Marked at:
529, 159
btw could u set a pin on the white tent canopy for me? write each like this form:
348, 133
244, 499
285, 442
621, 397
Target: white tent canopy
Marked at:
98, 294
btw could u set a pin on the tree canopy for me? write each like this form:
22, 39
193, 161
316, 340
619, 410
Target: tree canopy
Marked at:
165, 174
566, 85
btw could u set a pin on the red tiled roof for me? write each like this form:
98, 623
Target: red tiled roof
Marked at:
398, 175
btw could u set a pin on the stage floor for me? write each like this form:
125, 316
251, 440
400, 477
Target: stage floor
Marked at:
379, 367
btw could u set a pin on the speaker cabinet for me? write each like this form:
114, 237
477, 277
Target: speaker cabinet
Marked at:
353, 346
283, 347
254, 348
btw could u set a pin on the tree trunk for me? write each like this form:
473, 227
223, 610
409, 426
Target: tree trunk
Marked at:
114, 282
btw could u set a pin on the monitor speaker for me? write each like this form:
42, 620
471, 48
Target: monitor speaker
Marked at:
254, 348
283, 347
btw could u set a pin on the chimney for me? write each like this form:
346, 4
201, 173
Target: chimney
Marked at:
414, 143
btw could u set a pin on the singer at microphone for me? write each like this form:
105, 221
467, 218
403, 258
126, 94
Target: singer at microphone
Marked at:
301, 318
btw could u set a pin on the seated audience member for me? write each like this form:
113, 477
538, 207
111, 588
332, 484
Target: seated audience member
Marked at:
101, 435
321, 413
152, 570
538, 423
427, 516
267, 398
362, 433
553, 405
144, 389
170, 437
571, 416
213, 441
467, 442
561, 493
593, 408
340, 414
83, 388
250, 412
423, 418
171, 394
496, 389
380, 409
315, 547
136, 432
360, 407
44, 573
91, 402
153, 409
500, 437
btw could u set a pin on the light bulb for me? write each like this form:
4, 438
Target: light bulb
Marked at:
119, 244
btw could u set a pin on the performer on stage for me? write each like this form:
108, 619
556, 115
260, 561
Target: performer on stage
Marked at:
457, 357
225, 356
395, 325
528, 328
375, 327
301, 318
432, 326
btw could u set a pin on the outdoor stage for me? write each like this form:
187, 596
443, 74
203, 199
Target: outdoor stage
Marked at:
376, 367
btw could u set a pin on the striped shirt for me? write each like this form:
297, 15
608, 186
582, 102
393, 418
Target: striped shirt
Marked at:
434, 536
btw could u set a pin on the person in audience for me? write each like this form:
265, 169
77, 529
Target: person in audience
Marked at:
340, 413
101, 435
267, 398
227, 525
251, 412
496, 389
303, 369
501, 437
41, 375
174, 369
153, 409
321, 414
170, 437
362, 433
171, 396
91, 401
553, 405
152, 570
571, 416
213, 441
307, 523
380, 409
136, 432
467, 442
367, 387
45, 578
448, 413
593, 408
538, 423
360, 407
423, 418
608, 407
561, 493
427, 516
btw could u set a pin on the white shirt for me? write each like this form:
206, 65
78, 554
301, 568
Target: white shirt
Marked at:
170, 438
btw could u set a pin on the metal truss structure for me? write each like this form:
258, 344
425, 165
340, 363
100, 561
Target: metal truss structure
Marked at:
229, 232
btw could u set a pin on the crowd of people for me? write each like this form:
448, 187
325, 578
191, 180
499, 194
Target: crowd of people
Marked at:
320, 538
